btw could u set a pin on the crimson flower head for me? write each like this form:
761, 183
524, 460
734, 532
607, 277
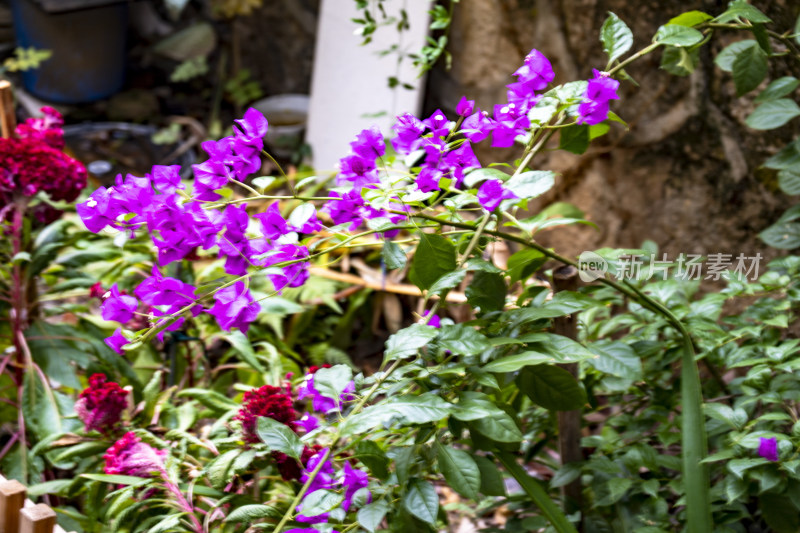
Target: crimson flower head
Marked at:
266, 401
100, 405
129, 456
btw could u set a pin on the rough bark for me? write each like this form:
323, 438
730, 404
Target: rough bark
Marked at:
686, 175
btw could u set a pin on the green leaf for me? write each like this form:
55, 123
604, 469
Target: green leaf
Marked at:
249, 513
616, 37
749, 69
566, 475
787, 158
789, 182
212, 399
461, 339
773, 114
279, 437
435, 257
551, 387
690, 18
740, 9
421, 501
447, 282
500, 427
117, 479
321, 501
617, 487
166, 524
331, 382
524, 263
782, 235
778, 89
563, 349
407, 341
679, 61
58, 487
393, 256
421, 409
574, 138
779, 513
512, 363
220, 469
370, 516
492, 482
244, 350
739, 466
531, 184
369, 453
460, 470
618, 359
487, 291
483, 174
677, 35
474, 406
725, 58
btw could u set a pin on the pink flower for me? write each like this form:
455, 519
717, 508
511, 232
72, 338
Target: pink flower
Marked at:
100, 405
129, 456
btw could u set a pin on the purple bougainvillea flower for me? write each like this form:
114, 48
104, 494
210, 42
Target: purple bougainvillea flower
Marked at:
252, 127
272, 223
98, 211
369, 144
234, 307
536, 71
308, 422
357, 171
465, 107
491, 193
353, 481
477, 126
117, 341
311, 224
129, 456
118, 307
522, 95
167, 179
322, 481
428, 179
510, 122
160, 290
768, 448
434, 321
101, 404
438, 123
346, 209
409, 131
460, 160
320, 403
595, 105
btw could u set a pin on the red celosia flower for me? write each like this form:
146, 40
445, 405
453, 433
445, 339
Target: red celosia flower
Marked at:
129, 456
34, 162
266, 401
100, 405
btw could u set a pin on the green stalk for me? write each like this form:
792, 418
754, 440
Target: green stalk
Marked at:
537, 494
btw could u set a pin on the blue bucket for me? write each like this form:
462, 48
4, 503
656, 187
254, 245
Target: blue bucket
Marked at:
88, 47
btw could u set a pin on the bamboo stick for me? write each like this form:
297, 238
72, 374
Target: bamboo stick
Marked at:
8, 120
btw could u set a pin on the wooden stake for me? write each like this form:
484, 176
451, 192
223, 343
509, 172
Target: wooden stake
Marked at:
12, 498
37, 519
8, 120
569, 422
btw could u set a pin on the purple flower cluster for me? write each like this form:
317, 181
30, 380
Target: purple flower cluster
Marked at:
352, 480
359, 170
599, 92
442, 159
179, 225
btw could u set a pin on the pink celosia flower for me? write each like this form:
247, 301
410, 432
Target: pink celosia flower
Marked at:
100, 405
129, 456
